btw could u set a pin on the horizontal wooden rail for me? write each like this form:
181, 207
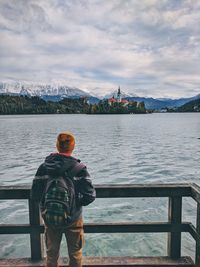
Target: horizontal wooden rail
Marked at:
112, 191
122, 227
14, 192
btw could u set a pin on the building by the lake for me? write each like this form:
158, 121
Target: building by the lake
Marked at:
118, 99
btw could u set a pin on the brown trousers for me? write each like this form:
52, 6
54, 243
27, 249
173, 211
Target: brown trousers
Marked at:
75, 239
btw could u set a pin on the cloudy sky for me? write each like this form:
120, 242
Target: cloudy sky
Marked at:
148, 47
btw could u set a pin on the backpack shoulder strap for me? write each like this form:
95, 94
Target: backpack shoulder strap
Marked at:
76, 169
48, 184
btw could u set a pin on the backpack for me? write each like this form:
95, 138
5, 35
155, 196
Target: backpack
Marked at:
59, 199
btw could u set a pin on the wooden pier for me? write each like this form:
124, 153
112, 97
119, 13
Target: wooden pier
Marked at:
174, 226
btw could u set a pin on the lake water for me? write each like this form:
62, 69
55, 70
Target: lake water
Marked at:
118, 149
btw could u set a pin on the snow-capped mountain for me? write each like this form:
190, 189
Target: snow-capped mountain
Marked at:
41, 90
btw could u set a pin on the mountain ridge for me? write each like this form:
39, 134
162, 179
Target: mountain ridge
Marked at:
56, 93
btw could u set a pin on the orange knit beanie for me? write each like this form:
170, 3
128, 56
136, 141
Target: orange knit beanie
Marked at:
65, 142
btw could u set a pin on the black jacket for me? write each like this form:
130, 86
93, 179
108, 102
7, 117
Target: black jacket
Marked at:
57, 165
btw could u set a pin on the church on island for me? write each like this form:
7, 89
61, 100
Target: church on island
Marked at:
117, 104
118, 99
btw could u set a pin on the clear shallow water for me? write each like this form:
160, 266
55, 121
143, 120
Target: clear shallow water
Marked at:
154, 148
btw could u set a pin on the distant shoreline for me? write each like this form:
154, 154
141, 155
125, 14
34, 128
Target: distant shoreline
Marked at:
23, 105
48, 114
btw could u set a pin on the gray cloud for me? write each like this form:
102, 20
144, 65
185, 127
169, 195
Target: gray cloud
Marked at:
150, 47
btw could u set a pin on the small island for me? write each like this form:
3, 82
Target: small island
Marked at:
118, 106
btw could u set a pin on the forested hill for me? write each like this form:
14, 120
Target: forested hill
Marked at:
192, 106
35, 105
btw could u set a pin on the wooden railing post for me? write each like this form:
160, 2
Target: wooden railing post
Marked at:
35, 236
174, 217
197, 260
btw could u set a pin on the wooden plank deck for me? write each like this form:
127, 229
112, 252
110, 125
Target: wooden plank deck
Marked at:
107, 261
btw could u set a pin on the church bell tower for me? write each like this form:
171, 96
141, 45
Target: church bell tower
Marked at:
119, 95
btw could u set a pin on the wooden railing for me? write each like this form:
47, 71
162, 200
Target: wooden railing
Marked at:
174, 226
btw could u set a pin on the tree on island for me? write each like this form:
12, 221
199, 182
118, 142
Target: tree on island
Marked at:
35, 105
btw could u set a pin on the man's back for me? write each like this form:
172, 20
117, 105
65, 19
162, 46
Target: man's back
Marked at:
58, 164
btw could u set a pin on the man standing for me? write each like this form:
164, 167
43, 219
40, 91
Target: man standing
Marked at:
62, 185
